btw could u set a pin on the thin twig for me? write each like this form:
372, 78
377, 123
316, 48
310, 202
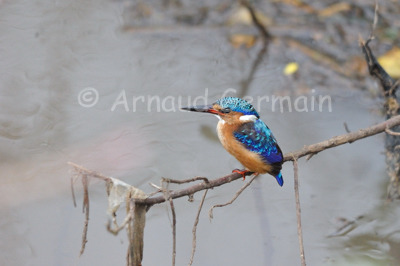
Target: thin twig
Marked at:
346, 127
196, 222
264, 32
310, 156
131, 259
393, 89
168, 197
189, 180
82, 170
266, 37
173, 231
298, 211
391, 132
377, 71
245, 84
137, 236
118, 228
159, 189
85, 209
72, 190
210, 212
372, 36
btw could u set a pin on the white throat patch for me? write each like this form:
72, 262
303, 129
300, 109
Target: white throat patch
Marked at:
248, 118
220, 119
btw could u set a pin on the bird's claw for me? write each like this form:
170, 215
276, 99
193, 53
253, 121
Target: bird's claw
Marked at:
242, 172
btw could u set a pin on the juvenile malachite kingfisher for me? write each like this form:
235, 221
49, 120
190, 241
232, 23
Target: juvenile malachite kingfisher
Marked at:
245, 136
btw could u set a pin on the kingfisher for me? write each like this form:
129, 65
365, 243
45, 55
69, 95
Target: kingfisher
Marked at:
245, 136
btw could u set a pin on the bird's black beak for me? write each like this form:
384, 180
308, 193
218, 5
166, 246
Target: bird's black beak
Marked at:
201, 108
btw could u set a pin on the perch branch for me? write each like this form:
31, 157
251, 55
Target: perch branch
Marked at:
343, 139
168, 195
305, 151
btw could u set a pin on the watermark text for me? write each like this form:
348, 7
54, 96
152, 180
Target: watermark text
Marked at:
126, 101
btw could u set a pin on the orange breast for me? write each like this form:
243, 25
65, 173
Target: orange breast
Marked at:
250, 160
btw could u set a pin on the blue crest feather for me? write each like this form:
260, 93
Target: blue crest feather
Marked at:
238, 105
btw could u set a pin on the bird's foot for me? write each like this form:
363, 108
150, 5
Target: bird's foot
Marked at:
243, 172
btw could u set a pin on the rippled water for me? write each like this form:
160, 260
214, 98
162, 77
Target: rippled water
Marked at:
51, 54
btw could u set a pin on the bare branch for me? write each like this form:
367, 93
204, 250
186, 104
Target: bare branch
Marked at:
173, 231
392, 107
72, 190
210, 212
298, 211
158, 189
143, 202
82, 170
196, 222
261, 28
391, 132
131, 259
85, 209
393, 89
343, 139
118, 228
306, 150
177, 181
192, 189
377, 71
310, 156
118, 192
372, 36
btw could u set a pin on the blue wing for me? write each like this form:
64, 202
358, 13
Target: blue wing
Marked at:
258, 138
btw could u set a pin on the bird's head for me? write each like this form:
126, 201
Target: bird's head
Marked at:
229, 109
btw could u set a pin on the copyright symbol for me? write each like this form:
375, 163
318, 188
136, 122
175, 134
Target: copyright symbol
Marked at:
88, 97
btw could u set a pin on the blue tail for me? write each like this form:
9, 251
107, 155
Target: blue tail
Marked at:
279, 179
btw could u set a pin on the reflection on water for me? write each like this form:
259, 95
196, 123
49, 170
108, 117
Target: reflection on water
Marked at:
53, 52
374, 240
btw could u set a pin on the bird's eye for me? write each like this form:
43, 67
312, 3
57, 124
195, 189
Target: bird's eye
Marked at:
226, 110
